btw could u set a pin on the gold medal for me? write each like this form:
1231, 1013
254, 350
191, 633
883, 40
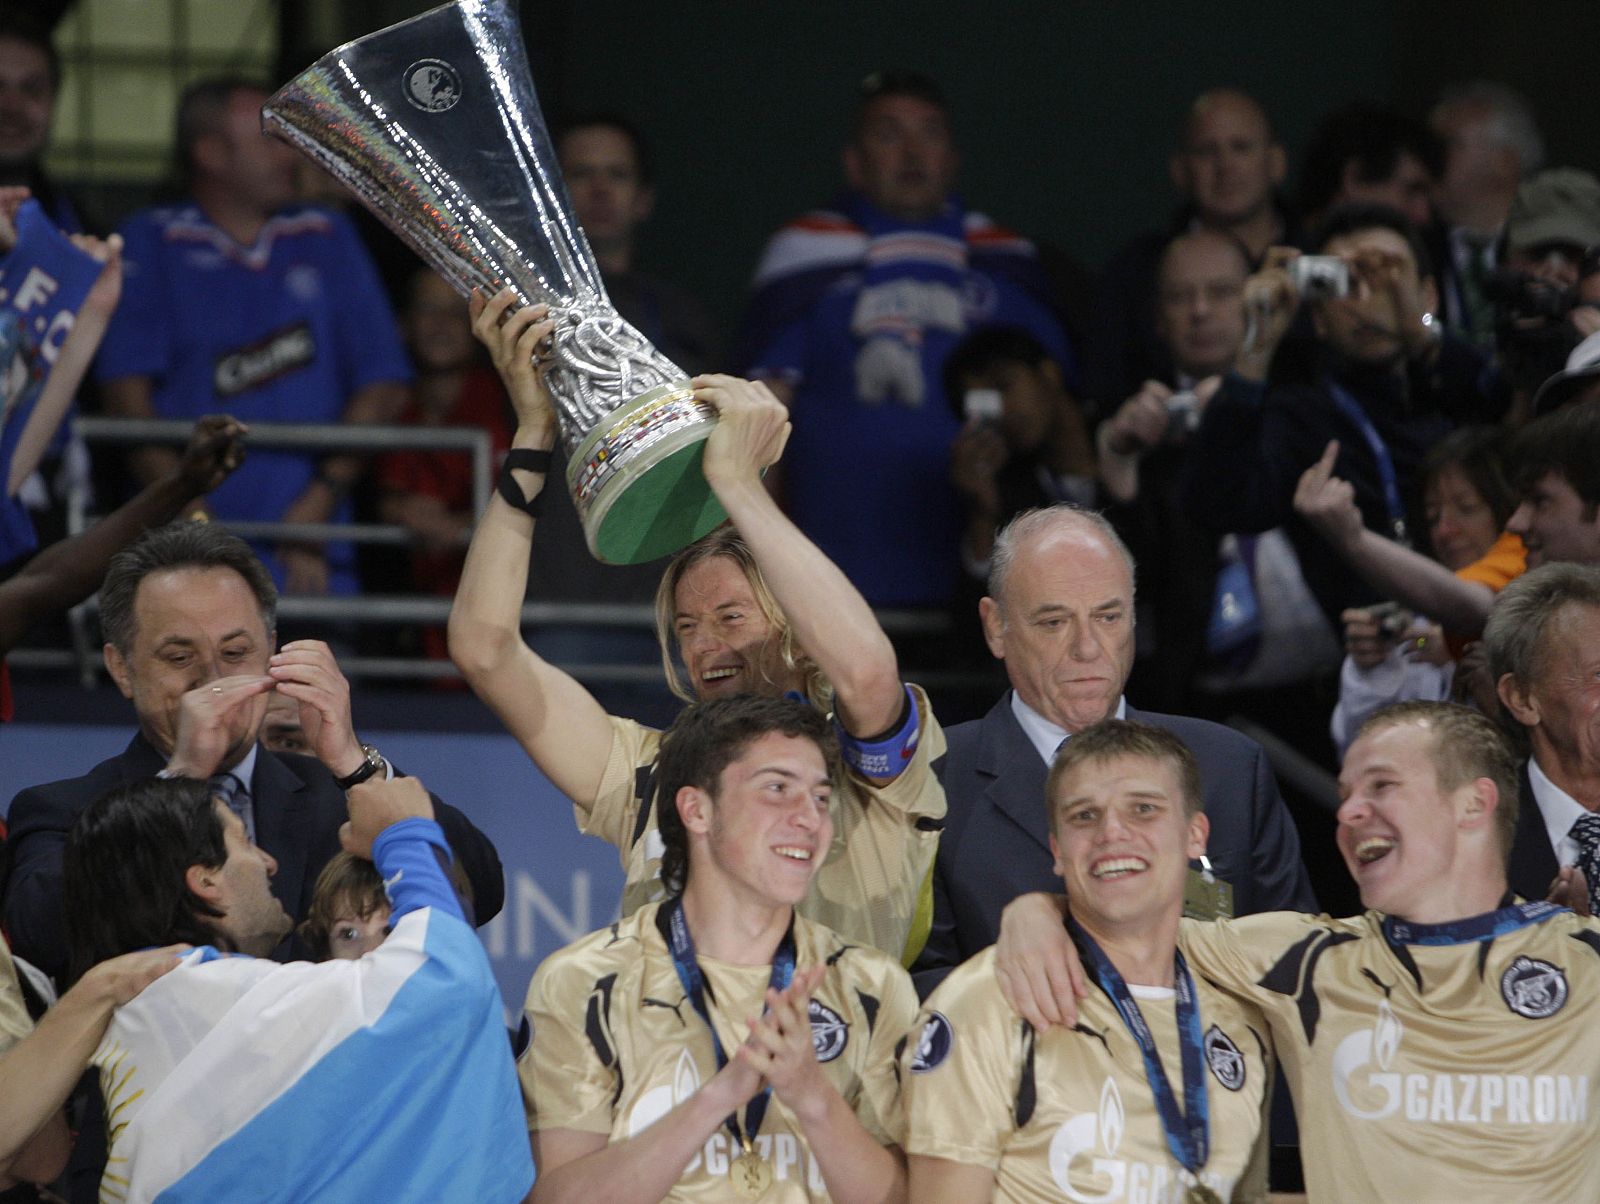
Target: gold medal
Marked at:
1199, 1193
751, 1176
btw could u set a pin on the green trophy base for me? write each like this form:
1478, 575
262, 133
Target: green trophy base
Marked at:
636, 478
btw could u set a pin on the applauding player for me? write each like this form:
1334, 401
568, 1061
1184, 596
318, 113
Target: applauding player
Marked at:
717, 1046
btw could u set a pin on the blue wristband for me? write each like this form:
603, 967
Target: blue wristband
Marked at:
888, 757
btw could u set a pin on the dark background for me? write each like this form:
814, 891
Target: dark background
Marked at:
1064, 111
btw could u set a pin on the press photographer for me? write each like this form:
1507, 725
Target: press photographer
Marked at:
1547, 295
1387, 383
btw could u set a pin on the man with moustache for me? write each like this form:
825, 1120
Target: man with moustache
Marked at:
189, 613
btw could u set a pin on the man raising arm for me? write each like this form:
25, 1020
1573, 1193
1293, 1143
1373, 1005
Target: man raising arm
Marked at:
754, 610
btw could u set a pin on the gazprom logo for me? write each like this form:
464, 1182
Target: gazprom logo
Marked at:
1369, 1085
1092, 1136
1381, 1042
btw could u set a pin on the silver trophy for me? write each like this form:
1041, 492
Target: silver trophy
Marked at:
434, 124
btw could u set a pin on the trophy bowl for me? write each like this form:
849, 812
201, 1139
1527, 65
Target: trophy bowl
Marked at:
433, 123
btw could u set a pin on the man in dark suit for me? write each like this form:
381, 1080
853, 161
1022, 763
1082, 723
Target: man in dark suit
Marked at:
189, 614
1060, 614
1543, 640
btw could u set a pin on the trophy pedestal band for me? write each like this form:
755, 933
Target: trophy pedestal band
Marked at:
636, 477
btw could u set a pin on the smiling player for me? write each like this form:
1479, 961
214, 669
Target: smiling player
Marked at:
756, 610
1158, 1091
716, 1046
1440, 1047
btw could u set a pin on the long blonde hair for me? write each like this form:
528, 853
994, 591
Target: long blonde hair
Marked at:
725, 541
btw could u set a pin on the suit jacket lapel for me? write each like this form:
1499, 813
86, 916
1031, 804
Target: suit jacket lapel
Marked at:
141, 760
278, 795
1014, 771
1532, 865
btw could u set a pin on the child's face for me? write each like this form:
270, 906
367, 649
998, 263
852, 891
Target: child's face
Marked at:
350, 936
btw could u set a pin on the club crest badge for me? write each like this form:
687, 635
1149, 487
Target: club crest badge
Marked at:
933, 1046
1224, 1058
829, 1032
1534, 989
432, 85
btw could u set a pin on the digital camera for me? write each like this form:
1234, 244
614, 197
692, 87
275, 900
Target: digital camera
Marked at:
1317, 276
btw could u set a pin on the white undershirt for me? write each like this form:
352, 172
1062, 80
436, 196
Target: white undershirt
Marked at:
1154, 993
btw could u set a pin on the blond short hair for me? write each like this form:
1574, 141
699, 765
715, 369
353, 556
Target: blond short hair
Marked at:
1466, 746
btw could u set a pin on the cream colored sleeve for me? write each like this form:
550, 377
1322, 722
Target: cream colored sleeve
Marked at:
1236, 954
960, 1070
615, 810
880, 1107
15, 1022
570, 1070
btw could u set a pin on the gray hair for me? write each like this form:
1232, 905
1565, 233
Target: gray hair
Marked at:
179, 545
1514, 635
1511, 120
1037, 521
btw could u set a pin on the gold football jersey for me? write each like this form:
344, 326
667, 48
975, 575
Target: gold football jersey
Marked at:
873, 887
14, 1021
616, 1045
1068, 1114
1427, 1072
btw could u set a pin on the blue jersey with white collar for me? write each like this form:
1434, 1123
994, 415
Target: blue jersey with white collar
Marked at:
287, 329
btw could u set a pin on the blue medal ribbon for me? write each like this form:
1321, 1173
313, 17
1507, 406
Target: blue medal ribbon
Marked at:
681, 945
1351, 409
1188, 1130
1487, 927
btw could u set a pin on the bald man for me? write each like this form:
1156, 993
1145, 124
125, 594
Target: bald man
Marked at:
1059, 615
1227, 168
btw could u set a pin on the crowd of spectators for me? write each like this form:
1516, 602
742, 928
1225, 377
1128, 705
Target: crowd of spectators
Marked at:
1316, 454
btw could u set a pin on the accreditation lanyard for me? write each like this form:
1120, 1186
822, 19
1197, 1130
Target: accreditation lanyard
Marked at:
698, 990
1487, 927
1188, 1131
1351, 409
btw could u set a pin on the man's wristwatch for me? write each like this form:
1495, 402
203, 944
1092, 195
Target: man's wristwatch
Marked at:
374, 764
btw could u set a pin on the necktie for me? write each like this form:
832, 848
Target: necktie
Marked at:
231, 791
1586, 832
1474, 290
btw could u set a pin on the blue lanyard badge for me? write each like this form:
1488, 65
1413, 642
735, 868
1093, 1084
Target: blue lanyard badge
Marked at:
1188, 1131
1351, 409
695, 986
1487, 927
